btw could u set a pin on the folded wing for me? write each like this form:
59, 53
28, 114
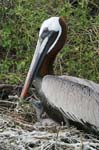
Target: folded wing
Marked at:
78, 98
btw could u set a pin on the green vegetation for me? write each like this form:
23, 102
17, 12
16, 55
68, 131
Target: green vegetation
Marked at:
20, 21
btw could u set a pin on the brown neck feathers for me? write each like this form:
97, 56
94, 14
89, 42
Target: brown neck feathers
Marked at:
47, 65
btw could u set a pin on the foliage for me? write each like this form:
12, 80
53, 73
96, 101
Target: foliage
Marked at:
20, 21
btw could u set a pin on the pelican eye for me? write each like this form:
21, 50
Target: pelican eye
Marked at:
45, 33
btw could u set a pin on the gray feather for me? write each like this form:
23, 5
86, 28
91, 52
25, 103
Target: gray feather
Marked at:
78, 98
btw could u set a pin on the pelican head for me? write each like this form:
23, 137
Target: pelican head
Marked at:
51, 39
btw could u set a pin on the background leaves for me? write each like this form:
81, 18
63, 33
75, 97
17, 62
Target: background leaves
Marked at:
20, 21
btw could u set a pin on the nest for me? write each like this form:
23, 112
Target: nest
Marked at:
19, 130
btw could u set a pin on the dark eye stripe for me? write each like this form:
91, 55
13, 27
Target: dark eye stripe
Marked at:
52, 37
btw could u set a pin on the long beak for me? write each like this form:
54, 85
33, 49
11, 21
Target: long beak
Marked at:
42, 48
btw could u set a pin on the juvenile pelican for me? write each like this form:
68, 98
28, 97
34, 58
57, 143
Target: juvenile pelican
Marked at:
63, 97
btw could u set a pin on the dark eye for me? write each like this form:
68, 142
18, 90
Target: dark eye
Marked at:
45, 33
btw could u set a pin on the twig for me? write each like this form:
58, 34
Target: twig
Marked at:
3, 86
8, 104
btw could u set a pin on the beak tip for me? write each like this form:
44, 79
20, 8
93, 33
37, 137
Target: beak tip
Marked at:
23, 93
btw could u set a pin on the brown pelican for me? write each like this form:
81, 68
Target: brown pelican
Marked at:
63, 97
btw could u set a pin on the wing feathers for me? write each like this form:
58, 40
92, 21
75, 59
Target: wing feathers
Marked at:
70, 116
78, 98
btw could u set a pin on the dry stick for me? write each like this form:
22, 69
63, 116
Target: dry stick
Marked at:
8, 103
3, 86
24, 125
